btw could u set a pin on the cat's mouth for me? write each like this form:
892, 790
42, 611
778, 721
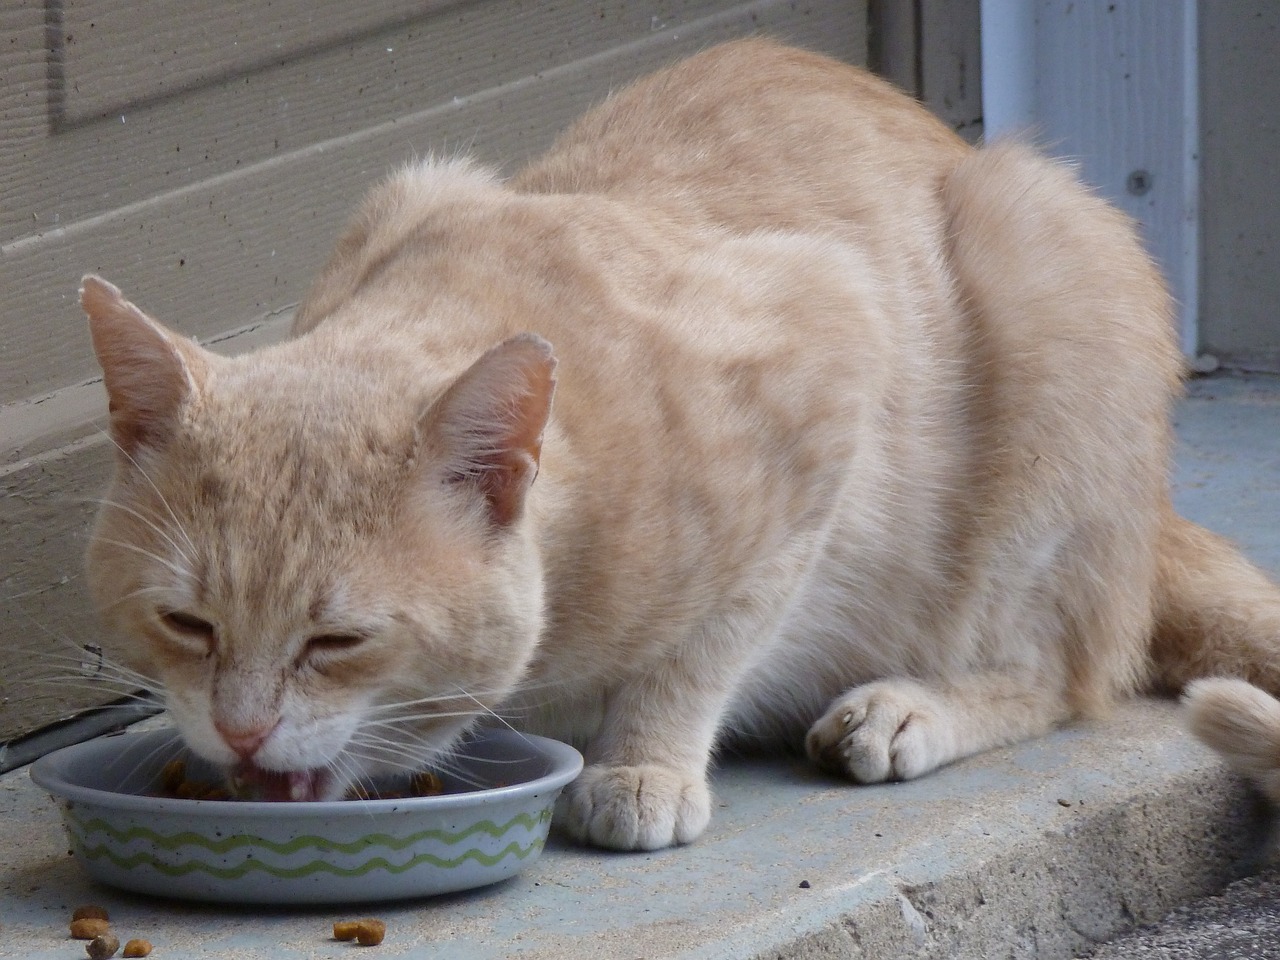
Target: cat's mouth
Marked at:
252, 782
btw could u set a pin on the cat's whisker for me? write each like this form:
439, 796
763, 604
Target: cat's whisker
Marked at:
68, 672
444, 763
174, 568
134, 594
121, 700
345, 766
419, 750
33, 592
414, 752
385, 755
108, 667
69, 682
117, 689
78, 653
397, 708
449, 764
404, 740
393, 706
75, 666
65, 669
174, 748
103, 666
344, 769
415, 748
398, 705
163, 500
413, 718
385, 749
152, 524
487, 711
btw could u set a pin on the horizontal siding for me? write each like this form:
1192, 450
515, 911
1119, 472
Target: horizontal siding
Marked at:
111, 56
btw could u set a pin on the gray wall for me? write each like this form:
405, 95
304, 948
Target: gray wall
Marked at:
1240, 181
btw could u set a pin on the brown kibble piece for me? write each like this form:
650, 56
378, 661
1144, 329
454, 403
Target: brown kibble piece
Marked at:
87, 928
136, 948
426, 784
172, 775
369, 933
100, 948
345, 929
90, 911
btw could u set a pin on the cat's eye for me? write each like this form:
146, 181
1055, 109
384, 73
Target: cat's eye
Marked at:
334, 643
187, 624
189, 627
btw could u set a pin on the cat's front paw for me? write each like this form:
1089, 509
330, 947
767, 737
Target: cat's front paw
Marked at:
890, 730
635, 808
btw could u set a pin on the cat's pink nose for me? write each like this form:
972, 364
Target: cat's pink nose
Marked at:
244, 742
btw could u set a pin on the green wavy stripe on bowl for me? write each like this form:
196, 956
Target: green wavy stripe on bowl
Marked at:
307, 869
321, 844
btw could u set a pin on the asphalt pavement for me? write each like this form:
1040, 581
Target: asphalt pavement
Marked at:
1241, 923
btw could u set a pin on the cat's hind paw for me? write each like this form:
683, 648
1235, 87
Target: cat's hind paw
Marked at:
635, 807
888, 730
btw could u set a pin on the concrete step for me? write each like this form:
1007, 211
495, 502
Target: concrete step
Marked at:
1041, 850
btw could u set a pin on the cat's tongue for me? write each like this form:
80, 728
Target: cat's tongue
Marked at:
254, 783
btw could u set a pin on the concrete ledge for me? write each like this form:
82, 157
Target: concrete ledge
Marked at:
1041, 850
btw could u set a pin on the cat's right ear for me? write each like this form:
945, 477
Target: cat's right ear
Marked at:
149, 373
488, 425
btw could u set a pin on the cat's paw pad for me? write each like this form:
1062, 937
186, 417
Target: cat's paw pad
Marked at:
891, 730
635, 808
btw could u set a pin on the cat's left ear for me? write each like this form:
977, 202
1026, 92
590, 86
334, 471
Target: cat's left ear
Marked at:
487, 428
149, 373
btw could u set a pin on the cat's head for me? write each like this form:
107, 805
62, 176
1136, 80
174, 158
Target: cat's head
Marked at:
327, 563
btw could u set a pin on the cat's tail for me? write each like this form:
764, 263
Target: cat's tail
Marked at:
1242, 722
1217, 640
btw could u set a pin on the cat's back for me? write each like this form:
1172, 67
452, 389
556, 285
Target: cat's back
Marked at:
753, 134
745, 138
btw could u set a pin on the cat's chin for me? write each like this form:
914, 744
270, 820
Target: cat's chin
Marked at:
251, 782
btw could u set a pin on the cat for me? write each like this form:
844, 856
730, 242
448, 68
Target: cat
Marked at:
761, 409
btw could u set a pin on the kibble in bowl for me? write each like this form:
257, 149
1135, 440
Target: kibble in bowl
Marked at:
342, 851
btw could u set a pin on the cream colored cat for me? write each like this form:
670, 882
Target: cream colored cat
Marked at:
857, 431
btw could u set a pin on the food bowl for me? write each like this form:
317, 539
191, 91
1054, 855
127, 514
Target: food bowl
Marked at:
343, 851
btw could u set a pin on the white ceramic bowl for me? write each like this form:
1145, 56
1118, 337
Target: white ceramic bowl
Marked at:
345, 851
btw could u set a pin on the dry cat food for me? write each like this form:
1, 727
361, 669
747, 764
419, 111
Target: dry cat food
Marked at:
91, 922
368, 932
86, 928
175, 785
422, 784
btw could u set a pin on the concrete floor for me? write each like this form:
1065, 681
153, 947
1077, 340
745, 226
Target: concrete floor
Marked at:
1042, 850
1228, 462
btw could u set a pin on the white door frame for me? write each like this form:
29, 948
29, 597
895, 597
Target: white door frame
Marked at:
1113, 86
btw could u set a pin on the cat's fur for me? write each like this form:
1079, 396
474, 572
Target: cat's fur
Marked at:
857, 431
